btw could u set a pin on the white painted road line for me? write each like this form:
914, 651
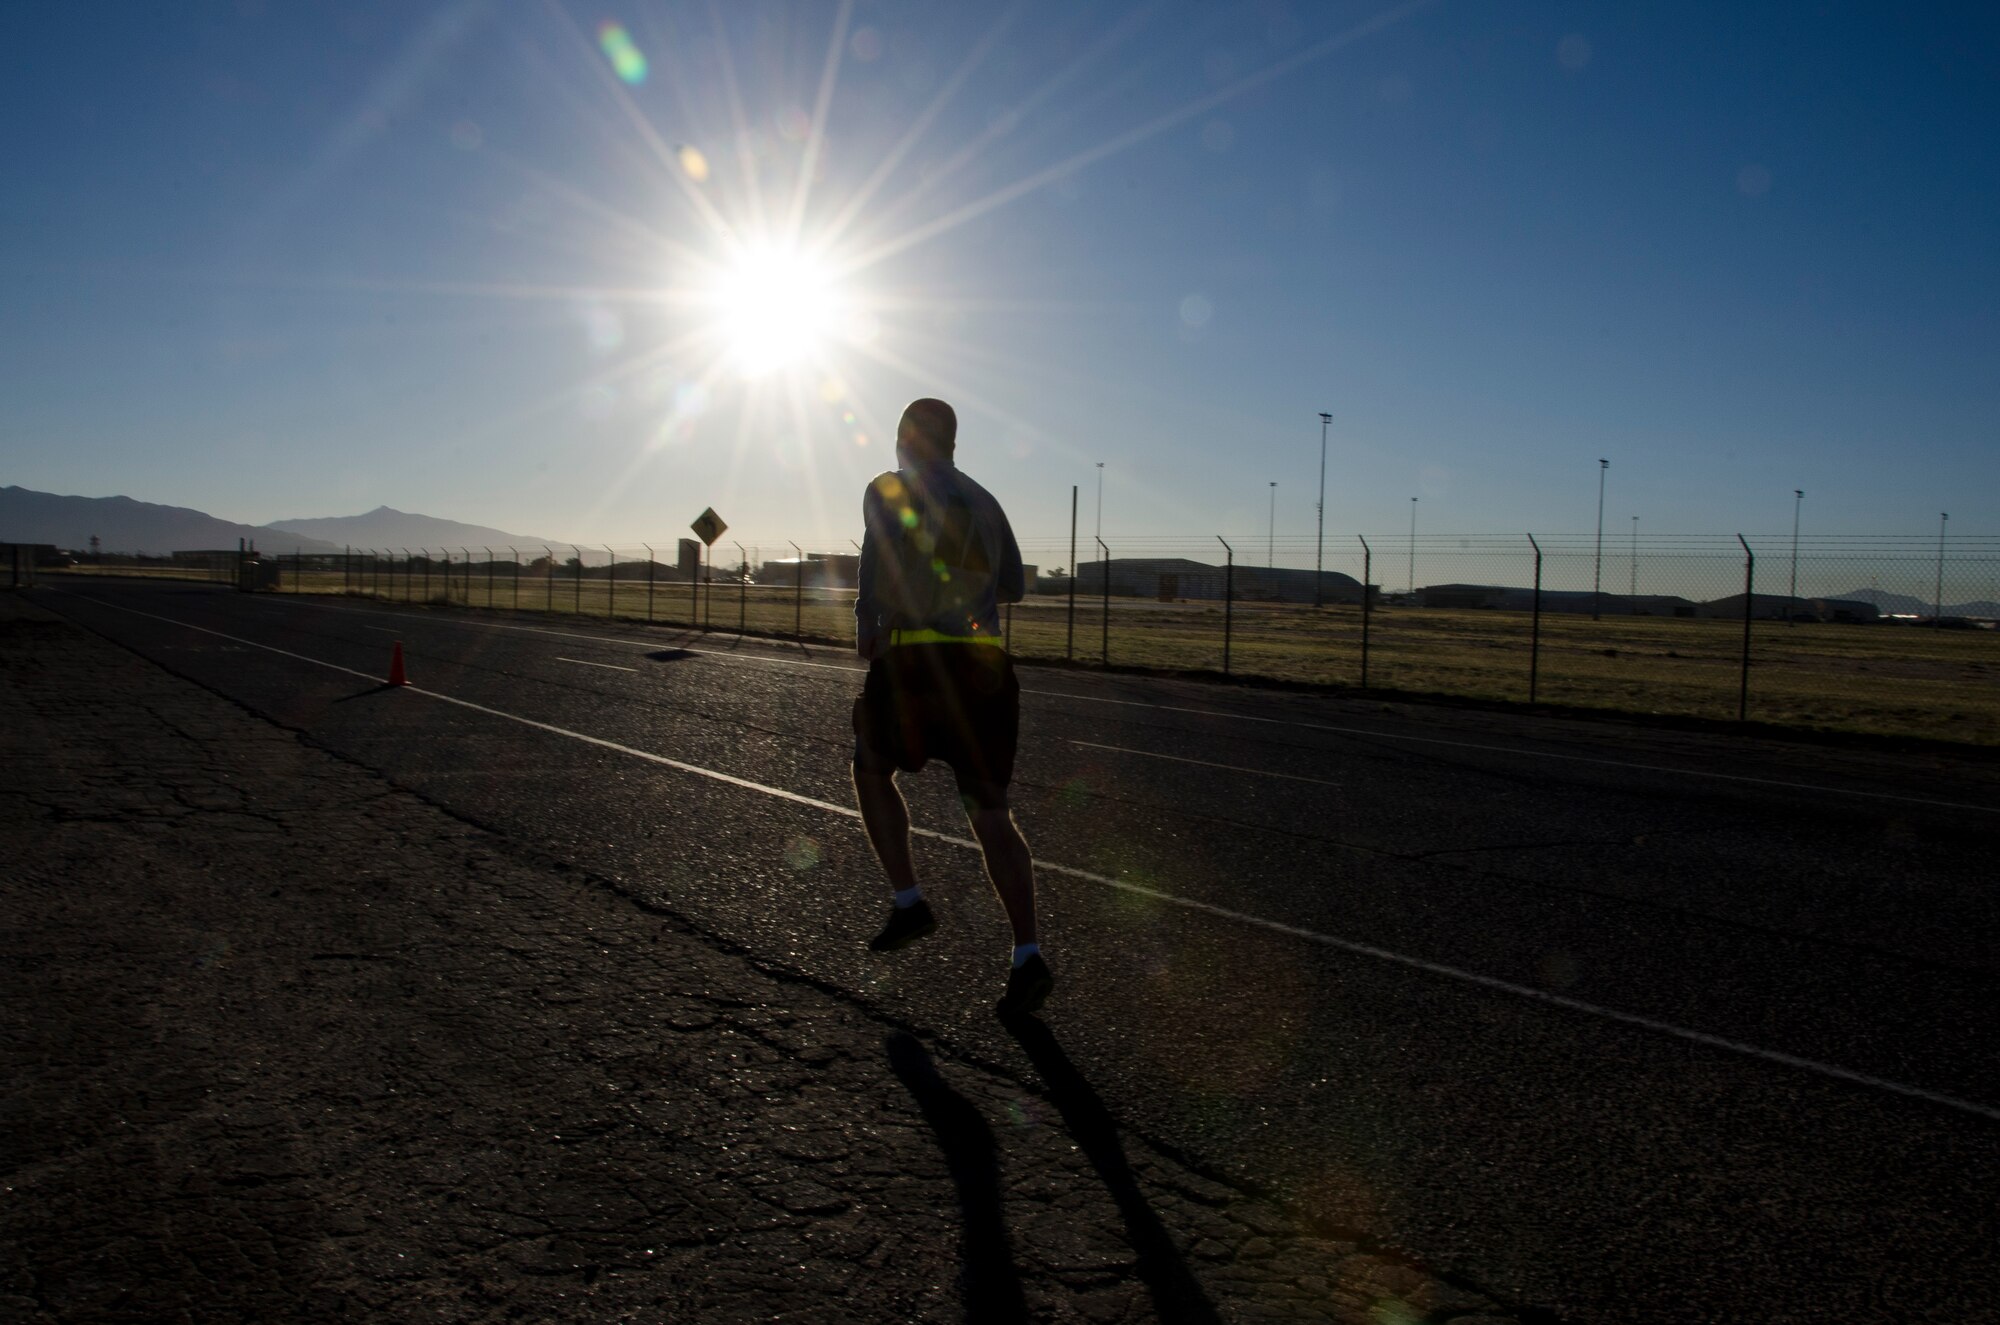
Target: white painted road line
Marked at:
1458, 974
1530, 754
1204, 763
621, 641
585, 662
1370, 734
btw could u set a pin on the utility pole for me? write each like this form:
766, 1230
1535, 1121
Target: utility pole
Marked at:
1597, 572
1319, 547
1100, 499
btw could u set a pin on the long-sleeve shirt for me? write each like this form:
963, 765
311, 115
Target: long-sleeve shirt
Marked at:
937, 560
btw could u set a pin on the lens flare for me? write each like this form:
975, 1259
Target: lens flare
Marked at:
626, 61
802, 853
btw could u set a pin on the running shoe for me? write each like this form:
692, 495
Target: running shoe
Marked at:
906, 925
1028, 985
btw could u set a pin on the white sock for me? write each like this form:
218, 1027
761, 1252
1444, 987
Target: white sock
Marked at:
1026, 950
909, 897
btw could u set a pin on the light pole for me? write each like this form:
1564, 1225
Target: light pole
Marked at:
1597, 572
1410, 585
1792, 611
1319, 547
1937, 609
1100, 500
1271, 532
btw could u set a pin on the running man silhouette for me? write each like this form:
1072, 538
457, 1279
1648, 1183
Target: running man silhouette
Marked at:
937, 560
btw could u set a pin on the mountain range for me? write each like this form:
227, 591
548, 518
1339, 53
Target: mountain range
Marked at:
123, 525
387, 527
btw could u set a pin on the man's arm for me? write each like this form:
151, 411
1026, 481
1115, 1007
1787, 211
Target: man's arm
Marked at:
867, 606
1011, 583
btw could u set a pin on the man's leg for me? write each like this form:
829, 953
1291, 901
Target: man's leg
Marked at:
1012, 871
1009, 865
887, 817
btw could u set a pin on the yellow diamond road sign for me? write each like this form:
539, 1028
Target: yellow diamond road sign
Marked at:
709, 525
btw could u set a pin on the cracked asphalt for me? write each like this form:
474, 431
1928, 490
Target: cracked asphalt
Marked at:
288, 1042
1576, 1020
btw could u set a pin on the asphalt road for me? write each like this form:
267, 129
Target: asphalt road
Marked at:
1622, 1023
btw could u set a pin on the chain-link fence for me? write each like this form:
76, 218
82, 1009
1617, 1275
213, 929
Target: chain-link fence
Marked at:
1889, 635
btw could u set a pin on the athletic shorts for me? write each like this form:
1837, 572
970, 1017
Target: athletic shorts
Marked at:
955, 702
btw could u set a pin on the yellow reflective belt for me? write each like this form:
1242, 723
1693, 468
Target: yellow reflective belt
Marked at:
939, 637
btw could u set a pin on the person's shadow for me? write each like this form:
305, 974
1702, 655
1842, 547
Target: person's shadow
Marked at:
1177, 1295
989, 1285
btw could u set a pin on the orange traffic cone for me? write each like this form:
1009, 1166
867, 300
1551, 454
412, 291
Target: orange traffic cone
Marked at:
396, 677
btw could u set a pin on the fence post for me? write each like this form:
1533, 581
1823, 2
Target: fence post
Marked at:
1228, 600
798, 592
409, 568
517, 575
1105, 552
1749, 599
1069, 648
650, 559
742, 588
549, 605
489, 577
1937, 600
298, 569
427, 572
1367, 603
576, 586
1535, 632
611, 583
705, 566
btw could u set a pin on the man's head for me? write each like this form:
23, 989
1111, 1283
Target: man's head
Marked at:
928, 433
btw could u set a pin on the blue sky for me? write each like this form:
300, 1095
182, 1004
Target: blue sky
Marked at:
279, 260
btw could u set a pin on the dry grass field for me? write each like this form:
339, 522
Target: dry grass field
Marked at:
1885, 679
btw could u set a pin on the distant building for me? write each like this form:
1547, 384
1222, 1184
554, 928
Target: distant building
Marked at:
830, 570
1506, 598
1169, 578
1779, 607
815, 570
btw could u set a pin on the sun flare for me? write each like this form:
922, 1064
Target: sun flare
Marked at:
775, 308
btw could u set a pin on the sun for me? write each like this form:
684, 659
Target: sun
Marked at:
776, 307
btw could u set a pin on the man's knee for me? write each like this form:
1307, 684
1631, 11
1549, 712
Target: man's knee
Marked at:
990, 822
982, 798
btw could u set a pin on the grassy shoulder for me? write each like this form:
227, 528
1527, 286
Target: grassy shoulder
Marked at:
1880, 679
